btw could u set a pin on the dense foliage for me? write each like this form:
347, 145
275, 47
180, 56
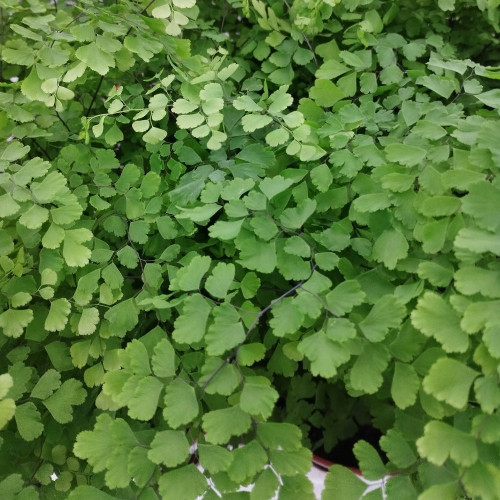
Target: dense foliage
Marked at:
250, 223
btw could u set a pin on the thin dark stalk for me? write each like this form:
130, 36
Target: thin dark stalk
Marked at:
96, 91
35, 142
63, 122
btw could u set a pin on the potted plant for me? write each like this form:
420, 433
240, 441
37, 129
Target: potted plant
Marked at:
259, 228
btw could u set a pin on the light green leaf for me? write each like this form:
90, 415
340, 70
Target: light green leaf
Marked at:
170, 448
406, 154
60, 404
28, 421
247, 461
214, 458
405, 385
220, 280
325, 93
434, 317
342, 483
271, 186
34, 217
184, 483
225, 332
258, 397
246, 103
398, 449
294, 218
491, 98
277, 137
390, 247
163, 360
387, 313
122, 317
88, 321
14, 321
366, 373
181, 405
190, 326
58, 315
220, 425
7, 411
324, 354
253, 122
450, 381
143, 404
369, 461
74, 252
95, 58
47, 384
441, 441
344, 297
189, 277
154, 135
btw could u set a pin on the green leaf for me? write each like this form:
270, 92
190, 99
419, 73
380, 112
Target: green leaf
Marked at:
287, 318
291, 463
271, 186
491, 98
14, 321
324, 354
184, 483
84, 492
122, 317
60, 404
190, 326
144, 402
220, 425
294, 218
390, 247
405, 385
342, 483
265, 486
247, 461
154, 135
95, 58
47, 384
163, 360
434, 317
325, 93
481, 203
258, 397
181, 405
253, 122
246, 103
256, 254
440, 85
74, 252
441, 441
387, 313
58, 315
344, 297
398, 450
477, 241
214, 458
225, 332
277, 137
406, 154
189, 277
34, 217
219, 282
450, 381
218, 380
369, 461
28, 421
366, 373
170, 448
7, 411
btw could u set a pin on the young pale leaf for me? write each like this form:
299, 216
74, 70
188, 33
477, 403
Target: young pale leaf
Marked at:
58, 315
181, 405
277, 137
74, 252
253, 122
450, 381
186, 482
441, 441
88, 321
170, 448
220, 425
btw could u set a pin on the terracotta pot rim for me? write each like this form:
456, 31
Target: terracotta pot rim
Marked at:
325, 464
